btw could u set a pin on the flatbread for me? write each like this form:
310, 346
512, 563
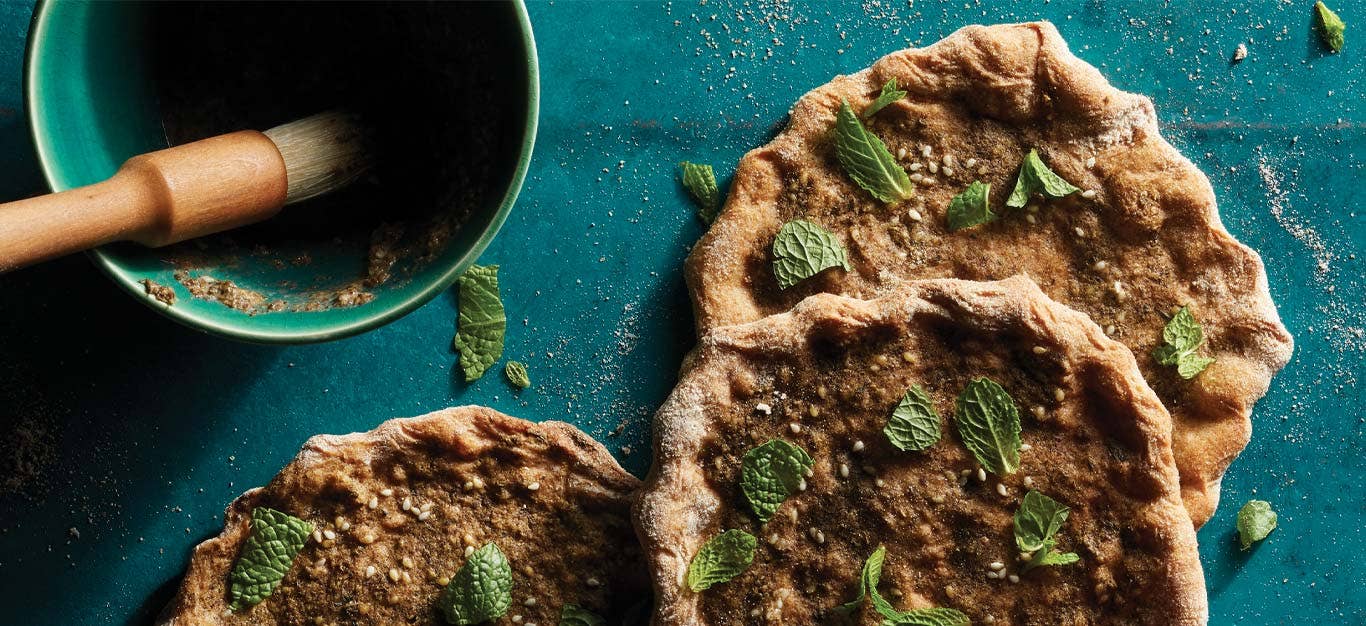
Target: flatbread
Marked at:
827, 375
1149, 241
569, 539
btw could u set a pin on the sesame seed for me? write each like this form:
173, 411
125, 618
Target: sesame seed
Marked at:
801, 486
1088, 194
407, 562
469, 484
1040, 349
468, 539
879, 482
1029, 217
948, 160
858, 446
386, 492
329, 534
422, 517
427, 506
821, 391
764, 407
1026, 447
373, 503
535, 486
914, 215
971, 163
927, 181
901, 152
1001, 489
997, 566
468, 551
1059, 394
795, 427
529, 602
407, 504
393, 574
948, 171
1091, 162
369, 571
1100, 266
792, 514
1079, 231
1038, 411
592, 582
1109, 329
337, 521
1029, 481
443, 581
915, 167
991, 574
773, 539
933, 167
981, 475
937, 498
317, 536
917, 177
844, 470
516, 619
1013, 578
815, 411
344, 525
908, 357
367, 538
926, 150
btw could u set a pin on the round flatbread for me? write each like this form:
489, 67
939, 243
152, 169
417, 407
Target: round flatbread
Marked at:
1141, 237
396, 511
827, 377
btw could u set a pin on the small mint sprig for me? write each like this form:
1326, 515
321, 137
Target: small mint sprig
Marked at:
889, 95
1036, 177
866, 159
1182, 336
1037, 522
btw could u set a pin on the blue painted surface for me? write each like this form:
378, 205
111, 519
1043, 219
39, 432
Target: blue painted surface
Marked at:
145, 430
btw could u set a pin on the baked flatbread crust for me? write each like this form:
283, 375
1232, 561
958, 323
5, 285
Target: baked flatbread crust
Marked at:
569, 540
990, 94
836, 368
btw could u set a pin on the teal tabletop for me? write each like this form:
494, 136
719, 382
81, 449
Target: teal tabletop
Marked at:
124, 435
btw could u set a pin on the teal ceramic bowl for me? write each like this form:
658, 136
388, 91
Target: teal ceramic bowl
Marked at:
92, 101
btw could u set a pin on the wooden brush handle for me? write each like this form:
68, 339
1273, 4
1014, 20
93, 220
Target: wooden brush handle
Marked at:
155, 199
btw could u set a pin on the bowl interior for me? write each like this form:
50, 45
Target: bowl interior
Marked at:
450, 89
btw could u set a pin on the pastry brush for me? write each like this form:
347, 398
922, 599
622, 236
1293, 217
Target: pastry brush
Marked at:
190, 190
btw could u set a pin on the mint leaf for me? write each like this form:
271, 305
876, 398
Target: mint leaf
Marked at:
726, 556
989, 424
914, 424
1035, 177
866, 159
1037, 522
803, 249
266, 556
516, 374
481, 590
700, 181
479, 337
970, 208
574, 615
868, 579
929, 617
1331, 27
1182, 336
1256, 520
889, 95
770, 473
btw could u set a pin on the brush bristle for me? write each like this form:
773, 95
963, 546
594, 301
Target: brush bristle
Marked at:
322, 153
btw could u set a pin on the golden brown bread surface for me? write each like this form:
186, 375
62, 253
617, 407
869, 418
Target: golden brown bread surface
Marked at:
1148, 241
1099, 442
469, 469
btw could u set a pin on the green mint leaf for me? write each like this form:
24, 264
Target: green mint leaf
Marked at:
970, 208
1182, 336
479, 337
481, 590
889, 95
726, 556
574, 615
868, 579
700, 181
1330, 26
1037, 520
989, 424
1035, 177
1054, 558
516, 374
803, 249
770, 473
266, 556
866, 159
914, 424
929, 617
1256, 520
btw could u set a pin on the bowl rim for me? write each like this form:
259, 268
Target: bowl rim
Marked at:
129, 283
